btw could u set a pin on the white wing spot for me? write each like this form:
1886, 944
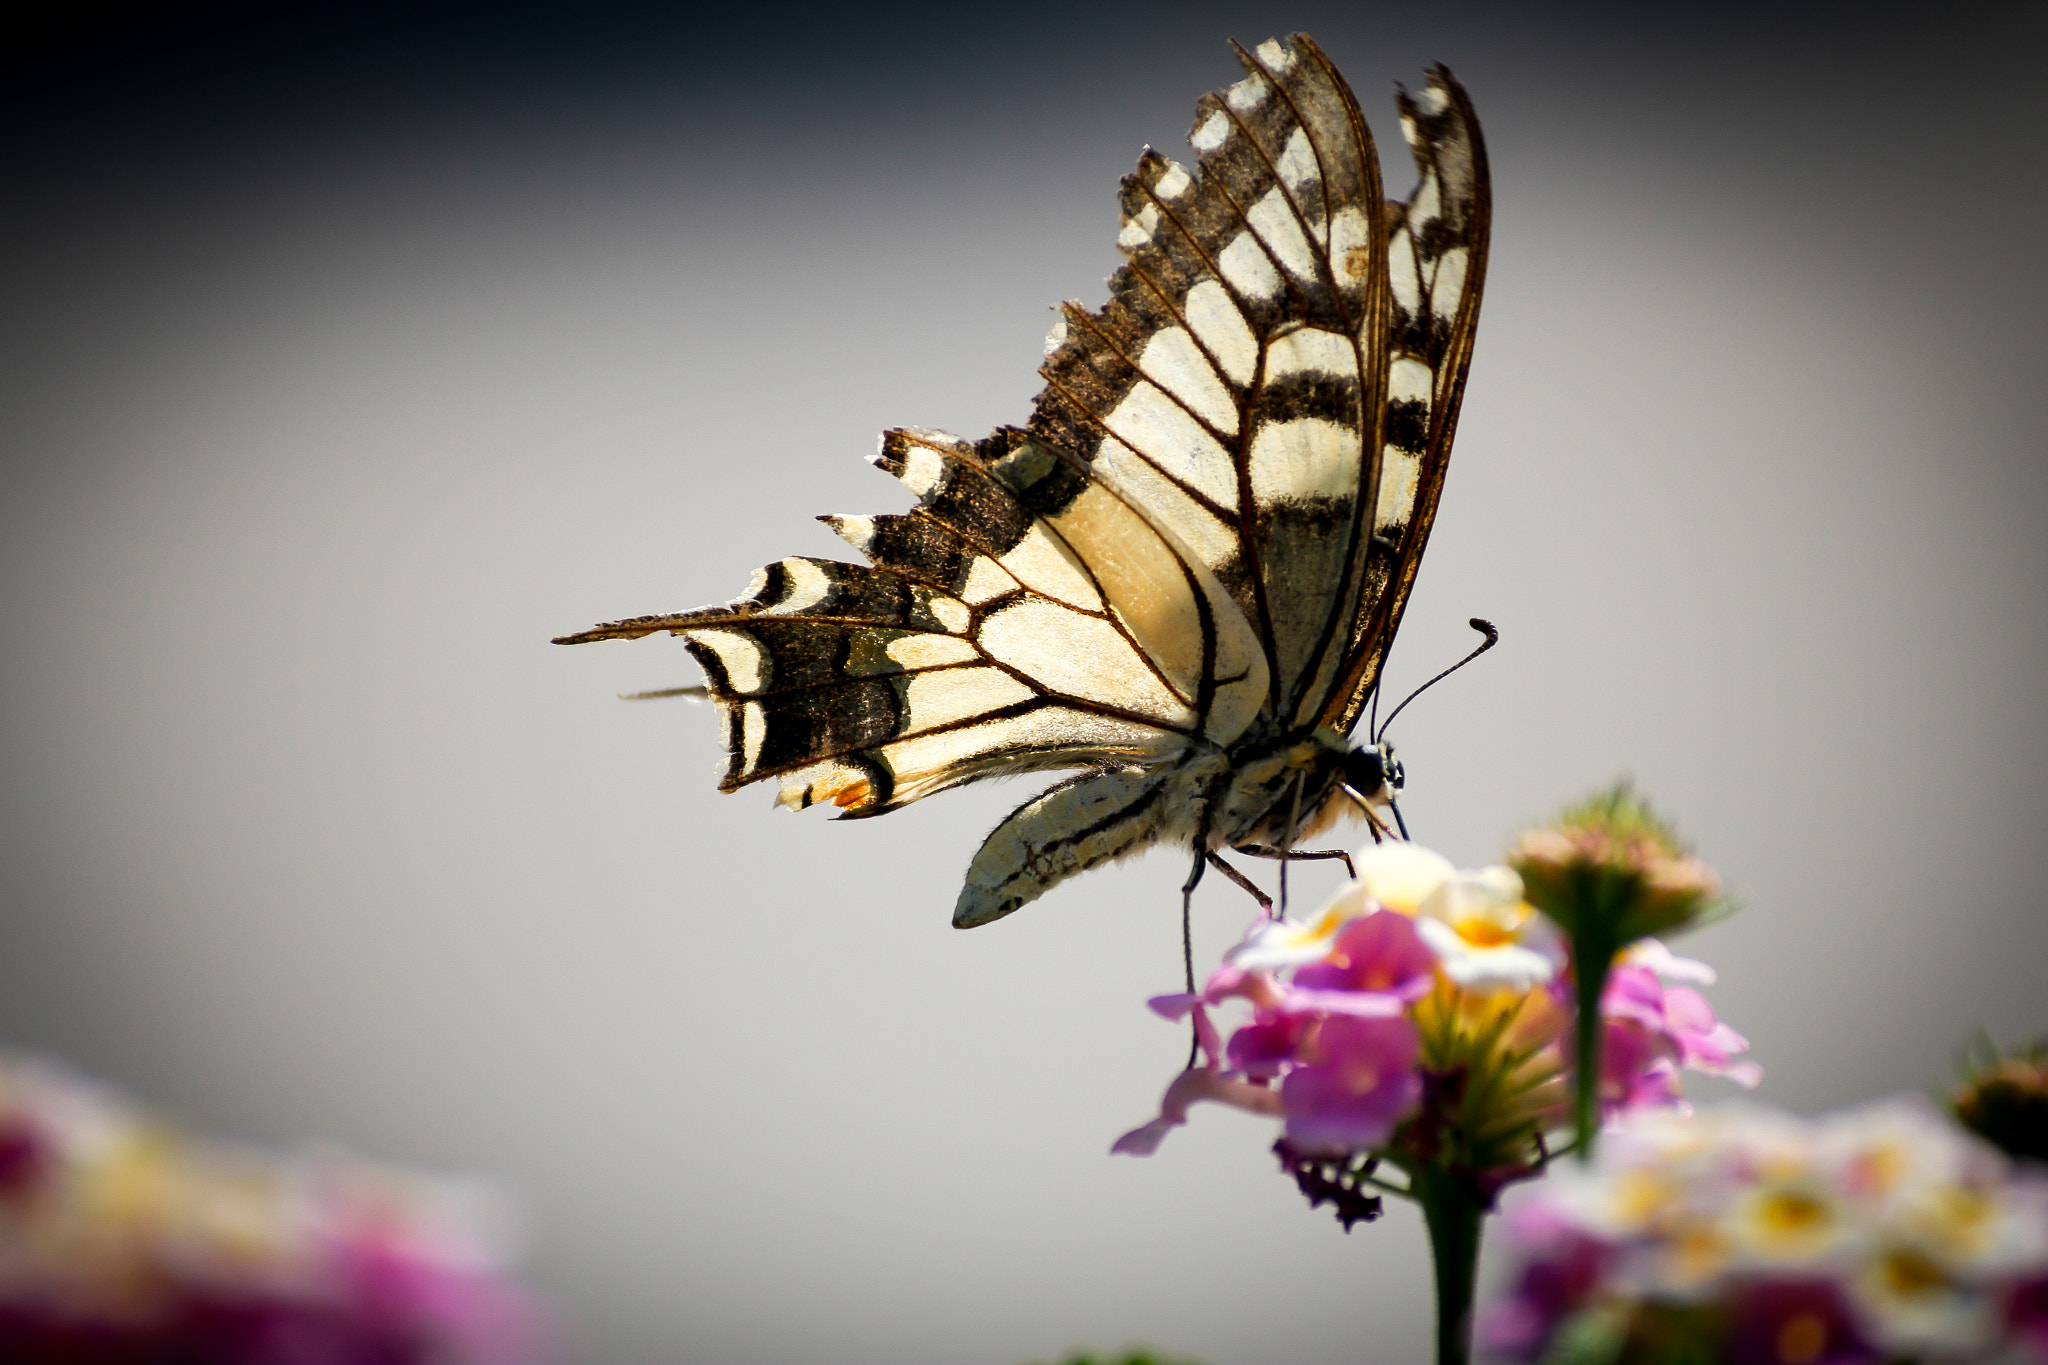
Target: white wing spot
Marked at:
1312, 349
1138, 231
753, 733
1351, 249
1298, 168
952, 614
1449, 285
1206, 538
737, 653
924, 470
1402, 273
1275, 55
1057, 337
1215, 320
1045, 566
1400, 480
1173, 181
808, 587
1434, 100
859, 532
1428, 202
1211, 131
1274, 218
1173, 361
1245, 264
1306, 458
1249, 93
924, 764
1409, 380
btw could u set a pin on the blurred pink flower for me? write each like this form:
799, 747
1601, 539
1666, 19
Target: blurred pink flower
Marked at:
1362, 1082
125, 1243
1881, 1233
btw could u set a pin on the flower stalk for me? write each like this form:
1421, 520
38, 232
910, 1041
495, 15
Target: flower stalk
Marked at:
1453, 1211
1592, 960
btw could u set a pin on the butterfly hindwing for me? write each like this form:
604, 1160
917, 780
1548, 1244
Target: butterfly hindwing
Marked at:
1021, 618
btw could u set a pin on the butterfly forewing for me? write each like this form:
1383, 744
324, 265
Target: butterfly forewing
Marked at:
1436, 262
1231, 383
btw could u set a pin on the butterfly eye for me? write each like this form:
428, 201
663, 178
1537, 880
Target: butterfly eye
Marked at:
1396, 776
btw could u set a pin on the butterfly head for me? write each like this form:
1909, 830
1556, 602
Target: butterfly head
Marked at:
1374, 773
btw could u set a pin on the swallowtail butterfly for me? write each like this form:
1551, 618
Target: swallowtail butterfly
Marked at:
1182, 575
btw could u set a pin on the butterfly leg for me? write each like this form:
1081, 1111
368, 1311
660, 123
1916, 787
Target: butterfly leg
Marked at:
1187, 949
1303, 855
1265, 901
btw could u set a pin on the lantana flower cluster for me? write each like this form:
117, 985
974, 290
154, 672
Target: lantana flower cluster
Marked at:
125, 1243
1425, 1014
1883, 1233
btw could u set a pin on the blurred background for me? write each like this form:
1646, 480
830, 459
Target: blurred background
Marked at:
351, 353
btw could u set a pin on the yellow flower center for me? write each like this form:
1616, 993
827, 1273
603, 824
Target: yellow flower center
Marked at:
1910, 1275
1484, 933
1792, 1222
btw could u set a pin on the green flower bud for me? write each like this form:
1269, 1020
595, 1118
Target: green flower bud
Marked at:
2004, 1099
1611, 869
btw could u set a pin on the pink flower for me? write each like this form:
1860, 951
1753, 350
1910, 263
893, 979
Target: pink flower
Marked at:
1379, 956
1705, 1043
1191, 1086
1265, 1048
1653, 1030
1362, 1084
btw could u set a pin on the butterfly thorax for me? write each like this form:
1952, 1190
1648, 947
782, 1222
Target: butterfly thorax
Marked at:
1281, 788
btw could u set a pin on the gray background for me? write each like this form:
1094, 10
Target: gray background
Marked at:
350, 356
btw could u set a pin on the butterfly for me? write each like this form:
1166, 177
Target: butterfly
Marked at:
1182, 575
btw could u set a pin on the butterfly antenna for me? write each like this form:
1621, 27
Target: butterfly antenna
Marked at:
693, 693
1485, 628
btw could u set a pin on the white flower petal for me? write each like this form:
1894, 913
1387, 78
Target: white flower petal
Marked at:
1400, 875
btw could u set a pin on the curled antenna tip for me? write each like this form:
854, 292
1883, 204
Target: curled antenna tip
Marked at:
1480, 624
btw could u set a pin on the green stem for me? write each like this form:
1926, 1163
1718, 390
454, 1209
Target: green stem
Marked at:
1453, 1213
1592, 956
